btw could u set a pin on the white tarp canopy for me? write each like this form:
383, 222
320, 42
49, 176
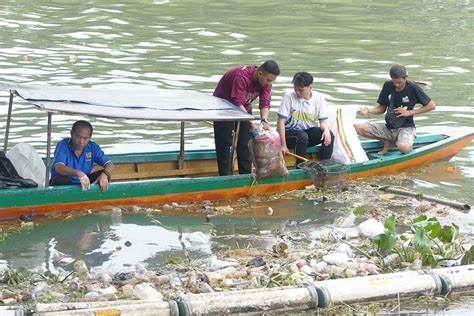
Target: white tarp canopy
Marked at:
139, 103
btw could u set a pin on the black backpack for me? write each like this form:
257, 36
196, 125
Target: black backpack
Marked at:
9, 178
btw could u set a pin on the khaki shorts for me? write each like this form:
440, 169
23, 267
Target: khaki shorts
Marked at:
399, 135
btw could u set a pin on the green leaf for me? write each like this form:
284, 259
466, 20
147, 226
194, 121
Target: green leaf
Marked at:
359, 211
421, 242
468, 256
389, 224
404, 237
429, 259
175, 260
385, 242
420, 219
435, 230
449, 233
427, 223
448, 250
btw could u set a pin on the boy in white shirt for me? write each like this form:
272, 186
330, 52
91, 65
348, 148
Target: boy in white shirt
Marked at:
302, 119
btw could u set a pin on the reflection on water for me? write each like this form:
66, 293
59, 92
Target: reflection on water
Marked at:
117, 242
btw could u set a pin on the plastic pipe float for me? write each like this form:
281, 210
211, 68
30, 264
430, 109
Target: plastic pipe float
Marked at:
456, 279
370, 288
129, 307
378, 287
248, 301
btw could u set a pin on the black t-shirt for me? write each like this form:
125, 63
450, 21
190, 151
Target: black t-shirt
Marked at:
408, 97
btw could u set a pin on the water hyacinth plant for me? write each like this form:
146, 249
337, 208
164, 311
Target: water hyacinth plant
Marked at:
435, 244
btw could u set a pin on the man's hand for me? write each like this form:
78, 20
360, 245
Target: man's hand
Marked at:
363, 111
284, 149
252, 126
85, 182
103, 181
326, 137
264, 124
402, 111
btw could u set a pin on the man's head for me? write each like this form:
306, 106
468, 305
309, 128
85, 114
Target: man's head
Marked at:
399, 75
267, 72
303, 84
81, 133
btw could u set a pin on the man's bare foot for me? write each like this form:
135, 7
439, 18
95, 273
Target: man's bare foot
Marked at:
386, 147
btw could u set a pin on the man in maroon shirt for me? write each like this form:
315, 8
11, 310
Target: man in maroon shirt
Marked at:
241, 85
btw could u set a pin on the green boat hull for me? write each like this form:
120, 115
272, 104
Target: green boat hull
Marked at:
16, 202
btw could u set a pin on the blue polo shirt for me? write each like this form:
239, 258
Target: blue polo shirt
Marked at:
64, 154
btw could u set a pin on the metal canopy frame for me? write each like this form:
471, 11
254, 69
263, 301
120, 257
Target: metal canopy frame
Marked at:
180, 158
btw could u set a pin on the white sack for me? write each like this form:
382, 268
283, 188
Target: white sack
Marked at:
347, 146
28, 164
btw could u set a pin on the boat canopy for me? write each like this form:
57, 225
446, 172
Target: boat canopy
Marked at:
139, 103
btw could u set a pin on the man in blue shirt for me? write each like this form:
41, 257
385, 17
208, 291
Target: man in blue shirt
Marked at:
397, 100
74, 159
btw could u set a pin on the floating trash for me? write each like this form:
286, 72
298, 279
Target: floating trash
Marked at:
269, 211
281, 248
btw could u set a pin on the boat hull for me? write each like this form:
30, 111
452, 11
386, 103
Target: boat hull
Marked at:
16, 202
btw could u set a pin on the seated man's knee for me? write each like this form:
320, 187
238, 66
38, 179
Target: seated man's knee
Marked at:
405, 147
360, 128
302, 138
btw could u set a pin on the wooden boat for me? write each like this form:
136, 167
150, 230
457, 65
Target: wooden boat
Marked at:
186, 176
154, 178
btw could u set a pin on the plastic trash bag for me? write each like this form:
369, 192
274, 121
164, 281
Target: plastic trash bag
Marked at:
267, 156
27, 163
9, 177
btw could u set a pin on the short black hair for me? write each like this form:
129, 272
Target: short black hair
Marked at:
271, 67
302, 79
81, 123
398, 71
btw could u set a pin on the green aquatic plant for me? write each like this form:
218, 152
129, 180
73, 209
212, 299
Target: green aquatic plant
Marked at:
175, 260
387, 240
428, 239
468, 256
360, 210
406, 254
435, 242
12, 277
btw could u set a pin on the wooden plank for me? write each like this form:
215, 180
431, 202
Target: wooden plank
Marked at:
163, 169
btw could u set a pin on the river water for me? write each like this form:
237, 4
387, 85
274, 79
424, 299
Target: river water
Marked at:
347, 45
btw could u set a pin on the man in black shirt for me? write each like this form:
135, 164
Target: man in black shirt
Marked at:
397, 98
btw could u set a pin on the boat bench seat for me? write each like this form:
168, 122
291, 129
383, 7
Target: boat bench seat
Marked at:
166, 165
164, 169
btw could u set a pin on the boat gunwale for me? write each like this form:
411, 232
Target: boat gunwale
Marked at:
231, 181
202, 154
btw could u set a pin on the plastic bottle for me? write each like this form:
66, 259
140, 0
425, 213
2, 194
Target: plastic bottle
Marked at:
318, 267
145, 291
